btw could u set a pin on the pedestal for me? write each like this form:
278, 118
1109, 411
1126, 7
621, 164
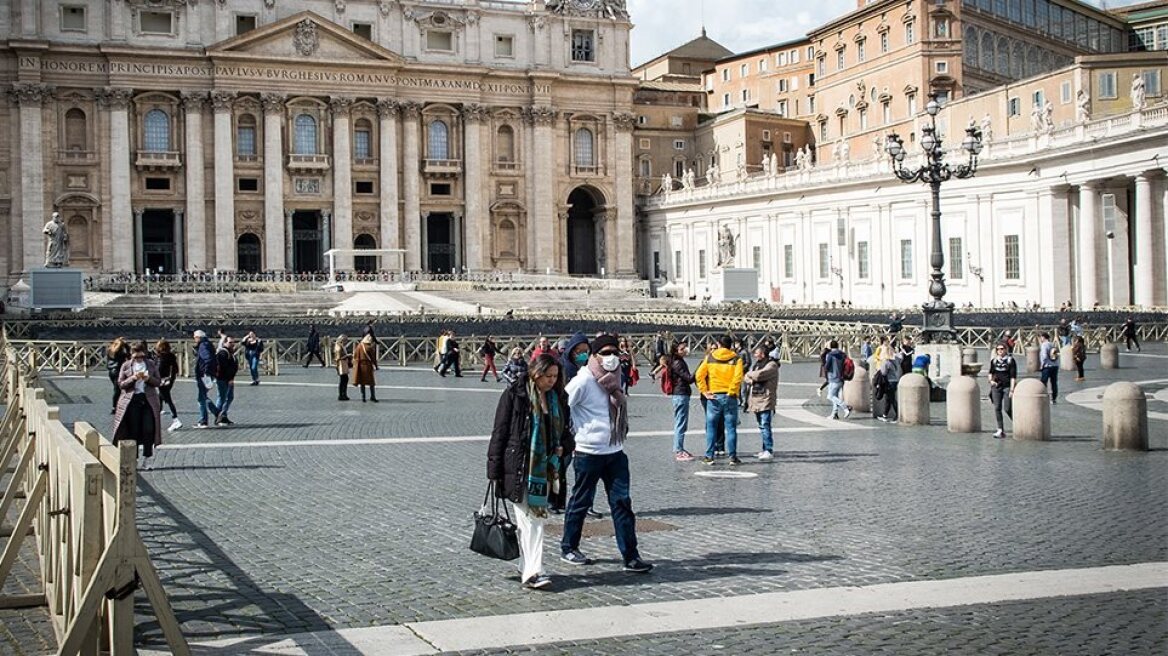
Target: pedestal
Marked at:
56, 289
733, 285
938, 324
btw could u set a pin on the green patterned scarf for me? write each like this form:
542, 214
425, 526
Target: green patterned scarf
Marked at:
547, 425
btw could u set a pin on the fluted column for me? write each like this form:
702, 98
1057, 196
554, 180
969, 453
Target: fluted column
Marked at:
387, 110
1088, 229
224, 182
196, 227
626, 237
474, 159
342, 181
543, 214
30, 98
120, 215
274, 233
412, 216
1145, 260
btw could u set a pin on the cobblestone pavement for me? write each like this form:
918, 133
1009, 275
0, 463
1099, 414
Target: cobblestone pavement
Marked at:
311, 515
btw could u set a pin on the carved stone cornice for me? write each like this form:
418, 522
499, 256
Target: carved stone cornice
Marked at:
624, 121
273, 103
248, 104
30, 94
387, 107
541, 115
222, 100
114, 97
409, 109
340, 105
474, 113
536, 22
194, 101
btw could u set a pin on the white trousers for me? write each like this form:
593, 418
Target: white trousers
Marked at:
530, 529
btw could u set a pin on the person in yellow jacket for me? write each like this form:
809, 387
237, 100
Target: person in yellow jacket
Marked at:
719, 378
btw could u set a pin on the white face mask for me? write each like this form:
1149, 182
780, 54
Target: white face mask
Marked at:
610, 362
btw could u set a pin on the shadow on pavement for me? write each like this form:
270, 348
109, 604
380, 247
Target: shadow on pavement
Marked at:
696, 511
210, 467
707, 567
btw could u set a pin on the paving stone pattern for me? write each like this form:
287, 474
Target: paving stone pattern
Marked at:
279, 539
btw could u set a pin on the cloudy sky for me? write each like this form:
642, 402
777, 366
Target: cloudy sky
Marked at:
740, 25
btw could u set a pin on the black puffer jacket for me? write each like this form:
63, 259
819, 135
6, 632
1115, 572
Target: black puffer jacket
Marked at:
510, 445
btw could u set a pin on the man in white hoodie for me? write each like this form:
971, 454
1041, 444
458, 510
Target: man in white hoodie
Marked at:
599, 412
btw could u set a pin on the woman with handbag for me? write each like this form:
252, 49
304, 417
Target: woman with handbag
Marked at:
530, 436
364, 362
137, 416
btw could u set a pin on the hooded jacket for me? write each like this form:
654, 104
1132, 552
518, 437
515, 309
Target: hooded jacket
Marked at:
720, 373
570, 368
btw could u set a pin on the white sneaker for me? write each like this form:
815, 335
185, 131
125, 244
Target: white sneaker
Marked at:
819, 393
847, 411
174, 425
147, 464
765, 455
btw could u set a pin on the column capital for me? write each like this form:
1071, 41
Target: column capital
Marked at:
30, 94
409, 109
624, 121
474, 113
194, 101
541, 115
387, 107
340, 105
222, 101
273, 103
1090, 185
114, 97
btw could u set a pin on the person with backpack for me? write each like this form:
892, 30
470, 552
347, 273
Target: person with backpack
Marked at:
116, 354
487, 352
167, 372
1048, 359
675, 383
833, 366
884, 384
205, 370
763, 379
719, 378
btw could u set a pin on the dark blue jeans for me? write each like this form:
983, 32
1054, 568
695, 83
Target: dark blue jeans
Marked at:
1050, 375
613, 469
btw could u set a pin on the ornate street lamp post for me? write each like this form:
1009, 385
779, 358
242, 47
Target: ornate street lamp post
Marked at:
938, 324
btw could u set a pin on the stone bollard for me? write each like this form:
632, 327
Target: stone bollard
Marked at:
912, 395
1125, 417
858, 390
968, 355
1031, 411
1109, 356
1033, 362
963, 405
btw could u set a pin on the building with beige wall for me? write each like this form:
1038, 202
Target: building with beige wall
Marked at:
255, 135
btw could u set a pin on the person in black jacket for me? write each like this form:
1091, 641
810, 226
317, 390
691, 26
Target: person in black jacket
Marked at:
529, 437
681, 380
312, 347
452, 357
168, 372
226, 366
115, 356
1003, 373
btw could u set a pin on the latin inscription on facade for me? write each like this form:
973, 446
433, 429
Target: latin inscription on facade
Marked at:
307, 186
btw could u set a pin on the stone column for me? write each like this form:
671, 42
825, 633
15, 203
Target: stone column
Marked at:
326, 231
30, 97
1054, 229
387, 152
1088, 229
195, 240
120, 215
342, 181
474, 159
221, 101
275, 235
1145, 260
410, 180
137, 229
180, 262
543, 214
626, 227
289, 259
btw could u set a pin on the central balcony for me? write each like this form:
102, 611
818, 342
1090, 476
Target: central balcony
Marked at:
442, 167
308, 163
158, 159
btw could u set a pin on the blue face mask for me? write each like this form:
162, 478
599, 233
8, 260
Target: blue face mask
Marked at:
581, 359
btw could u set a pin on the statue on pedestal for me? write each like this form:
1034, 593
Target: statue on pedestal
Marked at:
57, 246
1139, 96
713, 175
726, 246
1082, 106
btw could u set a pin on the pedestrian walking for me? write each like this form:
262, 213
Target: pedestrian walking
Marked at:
312, 347
823, 368
763, 379
885, 382
833, 367
1079, 355
573, 356
544, 347
137, 417
364, 364
167, 373
253, 348
226, 367
660, 353
677, 381
116, 354
719, 377
866, 349
743, 351
599, 411
1130, 334
515, 366
628, 365
344, 363
440, 349
530, 435
1063, 330
1003, 374
487, 352
205, 366
1048, 359
452, 357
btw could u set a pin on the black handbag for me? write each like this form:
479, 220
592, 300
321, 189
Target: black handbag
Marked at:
494, 532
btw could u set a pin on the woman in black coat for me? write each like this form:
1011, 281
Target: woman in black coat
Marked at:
530, 435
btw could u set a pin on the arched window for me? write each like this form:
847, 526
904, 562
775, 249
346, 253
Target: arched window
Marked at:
245, 135
75, 137
362, 139
247, 252
1018, 63
438, 141
987, 52
157, 128
585, 148
505, 144
971, 42
305, 139
1002, 65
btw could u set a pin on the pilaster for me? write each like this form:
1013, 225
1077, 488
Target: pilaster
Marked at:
543, 214
222, 102
387, 157
342, 181
412, 217
121, 219
30, 99
474, 159
196, 227
274, 220
626, 232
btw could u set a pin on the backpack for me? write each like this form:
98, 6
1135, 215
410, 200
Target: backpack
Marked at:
849, 371
1054, 353
667, 382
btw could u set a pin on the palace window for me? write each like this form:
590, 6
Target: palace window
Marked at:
1151, 82
156, 22
1014, 107
504, 45
906, 259
910, 33
157, 131
439, 40
1107, 85
883, 42
362, 139
862, 262
438, 141
840, 58
363, 30
245, 136
860, 56
788, 261
1013, 258
956, 259
583, 46
584, 148
304, 142
73, 19
824, 260
244, 23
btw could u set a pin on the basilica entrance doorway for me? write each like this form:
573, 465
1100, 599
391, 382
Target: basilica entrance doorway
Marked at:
307, 241
441, 249
585, 232
157, 242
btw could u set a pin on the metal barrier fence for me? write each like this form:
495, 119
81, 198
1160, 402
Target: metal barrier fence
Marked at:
79, 493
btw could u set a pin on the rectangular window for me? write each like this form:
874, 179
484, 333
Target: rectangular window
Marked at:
942, 67
702, 264
725, 101
645, 168
956, 259
762, 65
1037, 99
941, 28
1013, 258
795, 56
906, 259
245, 141
787, 137
644, 144
886, 109
1151, 82
725, 74
745, 95
863, 119
73, 19
821, 67
910, 33
679, 144
824, 261
1107, 204
364, 187
1065, 92
840, 58
157, 184
782, 108
912, 104
744, 70
362, 144
766, 135
676, 264
1014, 107
504, 45
244, 24
788, 261
860, 52
795, 83
249, 184
1107, 86
862, 260
883, 42
439, 40
363, 30
583, 48
756, 258
439, 189
783, 85
155, 22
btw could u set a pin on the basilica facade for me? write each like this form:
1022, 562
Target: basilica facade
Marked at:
257, 135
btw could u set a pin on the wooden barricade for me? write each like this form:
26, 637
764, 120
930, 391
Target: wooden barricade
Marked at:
79, 495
